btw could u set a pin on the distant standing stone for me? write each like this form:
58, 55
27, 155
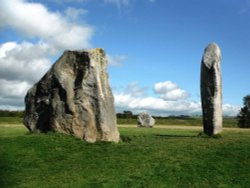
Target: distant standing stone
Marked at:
145, 120
211, 90
74, 97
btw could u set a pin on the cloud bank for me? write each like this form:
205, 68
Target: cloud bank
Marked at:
171, 100
45, 33
170, 91
53, 28
23, 62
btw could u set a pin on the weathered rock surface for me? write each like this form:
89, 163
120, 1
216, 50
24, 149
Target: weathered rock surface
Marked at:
145, 120
211, 90
74, 97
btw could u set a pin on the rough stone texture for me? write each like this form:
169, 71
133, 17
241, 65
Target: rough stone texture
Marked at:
74, 97
145, 120
211, 90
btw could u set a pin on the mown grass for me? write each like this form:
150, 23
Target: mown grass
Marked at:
145, 158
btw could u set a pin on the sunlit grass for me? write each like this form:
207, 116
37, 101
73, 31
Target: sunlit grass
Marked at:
156, 157
191, 121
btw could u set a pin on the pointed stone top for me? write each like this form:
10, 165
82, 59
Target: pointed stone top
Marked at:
96, 51
92, 50
212, 54
96, 55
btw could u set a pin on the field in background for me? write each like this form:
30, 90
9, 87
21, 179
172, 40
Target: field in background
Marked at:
157, 157
188, 121
128, 118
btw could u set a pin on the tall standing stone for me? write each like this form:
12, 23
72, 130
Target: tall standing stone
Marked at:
74, 97
211, 90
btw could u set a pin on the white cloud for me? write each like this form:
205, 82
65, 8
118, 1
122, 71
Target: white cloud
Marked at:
13, 89
23, 62
155, 105
11, 107
170, 91
135, 99
13, 94
20, 66
230, 110
116, 60
6, 47
35, 20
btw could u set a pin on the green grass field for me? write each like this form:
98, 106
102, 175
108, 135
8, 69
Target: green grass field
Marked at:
11, 120
191, 121
157, 157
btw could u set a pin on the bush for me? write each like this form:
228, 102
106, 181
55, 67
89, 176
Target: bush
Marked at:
8, 113
244, 114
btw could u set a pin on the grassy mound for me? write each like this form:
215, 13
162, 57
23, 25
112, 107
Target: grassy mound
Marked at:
144, 158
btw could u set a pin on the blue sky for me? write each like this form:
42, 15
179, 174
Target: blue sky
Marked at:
154, 48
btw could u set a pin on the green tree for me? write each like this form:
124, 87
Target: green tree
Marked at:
244, 114
128, 114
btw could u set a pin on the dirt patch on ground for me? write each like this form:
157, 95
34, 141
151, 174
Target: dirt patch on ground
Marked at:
11, 125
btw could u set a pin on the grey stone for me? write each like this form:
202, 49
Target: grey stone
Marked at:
145, 120
211, 90
74, 97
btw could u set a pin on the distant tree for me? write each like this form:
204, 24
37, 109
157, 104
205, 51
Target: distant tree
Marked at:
244, 114
128, 114
8, 113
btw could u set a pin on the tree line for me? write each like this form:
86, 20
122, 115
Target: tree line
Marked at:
244, 114
8, 113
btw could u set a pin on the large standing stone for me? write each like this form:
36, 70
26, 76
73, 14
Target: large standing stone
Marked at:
211, 90
145, 120
74, 97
